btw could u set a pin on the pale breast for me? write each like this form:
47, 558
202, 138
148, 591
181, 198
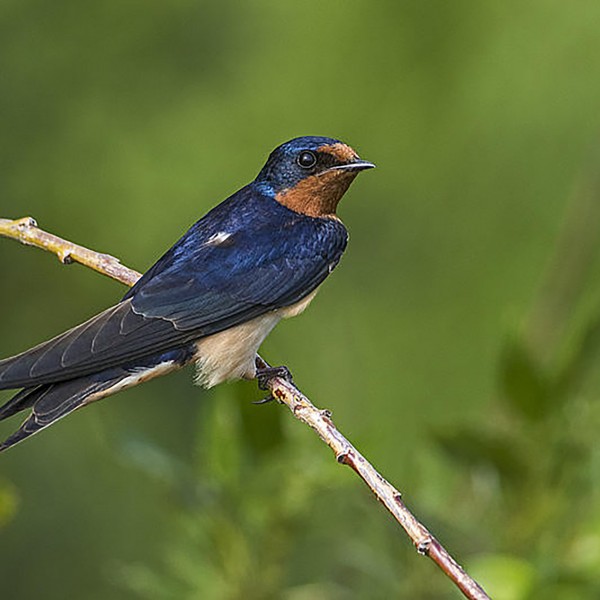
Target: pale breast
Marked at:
230, 354
295, 309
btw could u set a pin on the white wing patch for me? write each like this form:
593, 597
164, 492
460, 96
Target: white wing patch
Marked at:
218, 238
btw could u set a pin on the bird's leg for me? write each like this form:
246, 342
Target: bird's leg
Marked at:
265, 373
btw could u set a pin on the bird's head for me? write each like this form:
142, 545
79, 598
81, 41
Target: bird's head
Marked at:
310, 174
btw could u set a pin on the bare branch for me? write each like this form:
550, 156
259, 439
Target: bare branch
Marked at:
26, 231
320, 421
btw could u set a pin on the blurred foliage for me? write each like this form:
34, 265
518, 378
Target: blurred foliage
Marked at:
457, 344
8, 502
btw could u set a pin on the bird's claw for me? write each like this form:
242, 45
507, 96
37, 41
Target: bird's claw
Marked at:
265, 400
265, 374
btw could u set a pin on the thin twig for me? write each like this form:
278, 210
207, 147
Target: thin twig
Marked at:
320, 421
26, 231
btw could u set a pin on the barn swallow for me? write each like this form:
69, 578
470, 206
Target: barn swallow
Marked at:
254, 259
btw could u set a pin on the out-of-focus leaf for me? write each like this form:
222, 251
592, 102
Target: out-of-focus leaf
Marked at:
144, 582
223, 449
523, 384
165, 469
584, 550
566, 590
583, 359
151, 459
8, 502
260, 425
314, 591
478, 448
504, 577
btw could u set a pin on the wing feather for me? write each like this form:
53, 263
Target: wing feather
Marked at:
196, 289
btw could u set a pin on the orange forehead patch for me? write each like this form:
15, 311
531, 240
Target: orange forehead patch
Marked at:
341, 151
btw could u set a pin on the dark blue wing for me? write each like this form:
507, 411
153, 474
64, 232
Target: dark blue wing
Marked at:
270, 258
257, 269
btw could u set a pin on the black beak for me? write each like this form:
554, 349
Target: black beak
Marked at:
357, 165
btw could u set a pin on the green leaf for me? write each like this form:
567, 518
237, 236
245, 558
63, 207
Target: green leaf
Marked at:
583, 359
504, 576
8, 502
261, 425
478, 448
523, 384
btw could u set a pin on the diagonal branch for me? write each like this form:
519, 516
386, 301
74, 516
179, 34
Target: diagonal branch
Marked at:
26, 231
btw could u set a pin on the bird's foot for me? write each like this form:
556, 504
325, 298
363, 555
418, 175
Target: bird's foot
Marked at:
264, 376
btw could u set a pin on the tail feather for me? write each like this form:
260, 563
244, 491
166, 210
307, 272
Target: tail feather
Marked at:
29, 427
52, 402
23, 400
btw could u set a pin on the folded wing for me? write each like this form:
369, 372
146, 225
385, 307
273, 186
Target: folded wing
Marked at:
198, 288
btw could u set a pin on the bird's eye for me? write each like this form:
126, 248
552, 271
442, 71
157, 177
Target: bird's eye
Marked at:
307, 159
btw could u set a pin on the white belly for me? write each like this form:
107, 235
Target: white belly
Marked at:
230, 354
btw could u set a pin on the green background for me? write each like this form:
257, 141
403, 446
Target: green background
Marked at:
456, 344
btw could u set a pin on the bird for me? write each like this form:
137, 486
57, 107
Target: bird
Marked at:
256, 258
